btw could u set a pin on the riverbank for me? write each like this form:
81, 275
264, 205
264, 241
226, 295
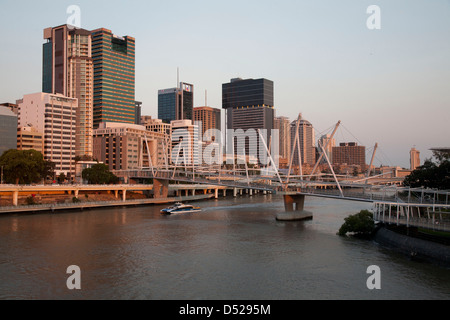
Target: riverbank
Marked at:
413, 247
60, 207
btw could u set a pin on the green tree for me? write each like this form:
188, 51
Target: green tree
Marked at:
22, 166
61, 177
361, 224
49, 170
99, 174
431, 174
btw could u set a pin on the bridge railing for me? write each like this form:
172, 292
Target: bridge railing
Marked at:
349, 193
222, 179
429, 216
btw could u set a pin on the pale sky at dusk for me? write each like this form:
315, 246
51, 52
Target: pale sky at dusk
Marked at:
390, 86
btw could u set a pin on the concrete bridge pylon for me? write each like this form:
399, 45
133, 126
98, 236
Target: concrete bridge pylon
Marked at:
294, 209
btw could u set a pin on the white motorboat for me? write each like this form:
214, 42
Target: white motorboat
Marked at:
180, 208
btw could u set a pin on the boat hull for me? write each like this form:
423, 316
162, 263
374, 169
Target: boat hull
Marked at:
189, 209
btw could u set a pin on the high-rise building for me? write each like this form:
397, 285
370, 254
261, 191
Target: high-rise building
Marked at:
68, 70
8, 130
306, 137
414, 158
185, 143
56, 117
283, 125
114, 77
29, 138
249, 105
349, 153
209, 118
137, 112
176, 103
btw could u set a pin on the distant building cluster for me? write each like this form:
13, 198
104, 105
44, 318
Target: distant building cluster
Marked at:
87, 112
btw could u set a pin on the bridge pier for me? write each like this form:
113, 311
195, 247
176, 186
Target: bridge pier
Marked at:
216, 193
160, 188
15, 198
294, 209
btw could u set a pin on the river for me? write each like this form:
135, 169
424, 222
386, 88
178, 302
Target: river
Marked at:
233, 250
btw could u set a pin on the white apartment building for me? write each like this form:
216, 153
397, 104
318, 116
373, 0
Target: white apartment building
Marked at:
186, 148
54, 115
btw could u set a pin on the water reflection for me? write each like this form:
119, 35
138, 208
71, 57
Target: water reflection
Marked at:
233, 249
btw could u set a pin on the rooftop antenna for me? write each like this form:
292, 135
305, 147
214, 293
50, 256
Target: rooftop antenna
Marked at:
178, 76
206, 98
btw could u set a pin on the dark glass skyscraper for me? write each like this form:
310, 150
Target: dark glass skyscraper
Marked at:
176, 103
249, 104
249, 92
8, 130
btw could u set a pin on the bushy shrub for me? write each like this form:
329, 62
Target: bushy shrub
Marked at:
75, 200
360, 224
30, 201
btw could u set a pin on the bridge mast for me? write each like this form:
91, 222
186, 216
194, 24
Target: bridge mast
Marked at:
149, 155
296, 140
326, 147
270, 156
331, 168
371, 162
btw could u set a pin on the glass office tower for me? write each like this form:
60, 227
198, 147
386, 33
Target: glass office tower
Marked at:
8, 130
176, 103
249, 104
114, 77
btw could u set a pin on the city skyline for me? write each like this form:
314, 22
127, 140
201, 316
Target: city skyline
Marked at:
386, 86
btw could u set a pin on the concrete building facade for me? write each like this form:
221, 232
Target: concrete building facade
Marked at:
306, 135
28, 138
56, 117
349, 153
124, 146
283, 125
414, 159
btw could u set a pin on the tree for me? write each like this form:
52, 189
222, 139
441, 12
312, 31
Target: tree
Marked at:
62, 177
23, 166
49, 170
99, 174
431, 174
360, 224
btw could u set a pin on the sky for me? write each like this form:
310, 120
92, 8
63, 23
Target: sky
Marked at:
388, 86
